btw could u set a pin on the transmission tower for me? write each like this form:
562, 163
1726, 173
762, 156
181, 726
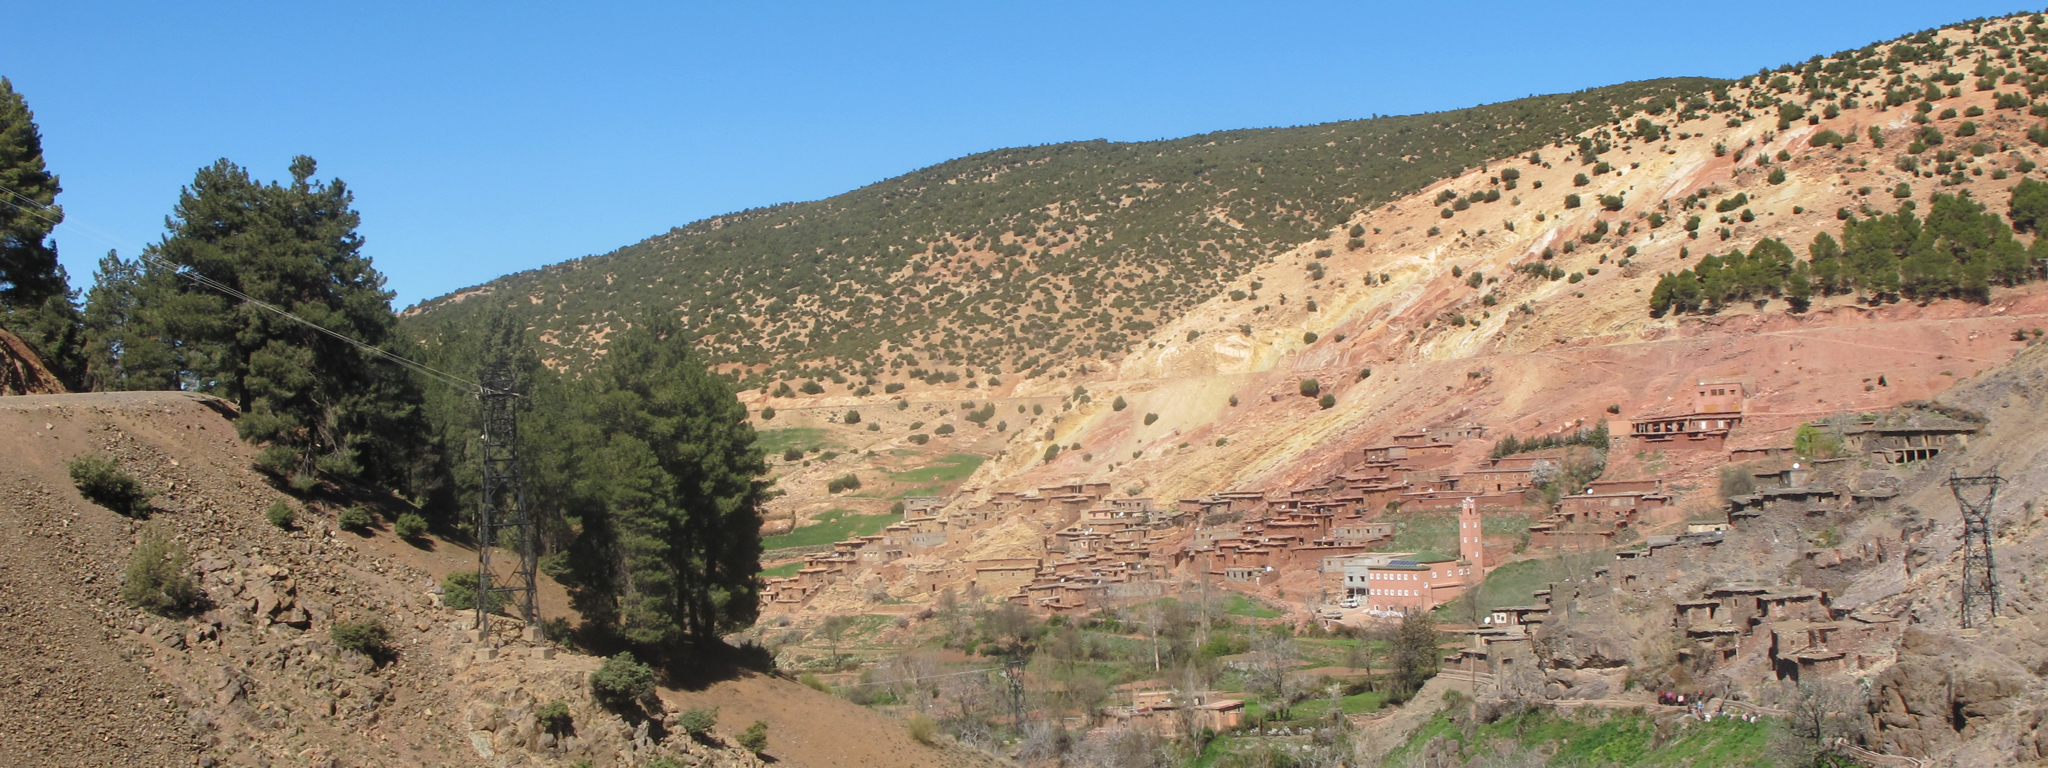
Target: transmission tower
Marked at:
502, 517
1975, 495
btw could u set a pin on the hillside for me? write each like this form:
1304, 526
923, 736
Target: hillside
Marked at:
253, 678
1016, 261
1531, 314
1523, 313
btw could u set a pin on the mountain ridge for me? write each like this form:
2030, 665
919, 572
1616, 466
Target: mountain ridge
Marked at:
1082, 245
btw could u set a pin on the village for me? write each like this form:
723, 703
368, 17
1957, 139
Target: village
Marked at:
1330, 541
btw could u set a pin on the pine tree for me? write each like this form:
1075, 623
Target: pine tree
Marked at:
318, 404
666, 494
36, 302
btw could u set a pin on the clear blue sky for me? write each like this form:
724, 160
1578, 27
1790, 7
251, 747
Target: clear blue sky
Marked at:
489, 138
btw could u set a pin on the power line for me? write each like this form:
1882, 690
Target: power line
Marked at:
42, 212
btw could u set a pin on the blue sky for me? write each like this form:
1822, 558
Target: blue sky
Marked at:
489, 138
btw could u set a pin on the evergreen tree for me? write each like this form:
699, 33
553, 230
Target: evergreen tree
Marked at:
319, 404
36, 302
665, 493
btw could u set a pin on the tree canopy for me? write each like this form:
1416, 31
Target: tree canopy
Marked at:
320, 405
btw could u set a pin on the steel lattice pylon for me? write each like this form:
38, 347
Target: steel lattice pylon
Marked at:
502, 516
1975, 496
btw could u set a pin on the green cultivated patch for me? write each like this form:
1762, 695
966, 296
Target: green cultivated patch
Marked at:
834, 525
1603, 739
953, 467
1239, 605
775, 441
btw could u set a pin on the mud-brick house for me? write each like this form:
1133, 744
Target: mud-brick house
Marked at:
1716, 410
921, 507
1452, 433
1801, 499
1906, 437
1001, 576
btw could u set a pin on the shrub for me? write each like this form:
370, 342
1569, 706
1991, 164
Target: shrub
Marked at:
1052, 452
458, 591
811, 388
101, 482
1902, 191
1309, 337
1581, 180
1119, 404
768, 413
852, 417
1327, 401
943, 429
410, 526
793, 454
159, 575
367, 637
1572, 201
812, 682
846, 482
921, 728
280, 514
1612, 202
1150, 418
1310, 387
698, 722
354, 519
919, 439
553, 717
621, 681
755, 737
892, 387
1777, 176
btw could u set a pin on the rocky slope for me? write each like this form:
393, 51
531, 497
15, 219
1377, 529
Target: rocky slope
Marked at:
253, 679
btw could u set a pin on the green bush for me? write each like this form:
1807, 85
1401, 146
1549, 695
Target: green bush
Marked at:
767, 413
793, 454
812, 388
1327, 401
458, 591
1309, 337
354, 519
919, 439
846, 482
368, 637
755, 737
280, 514
553, 717
621, 681
1119, 404
943, 429
852, 417
698, 722
1150, 418
410, 526
101, 482
1310, 387
160, 575
1572, 201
